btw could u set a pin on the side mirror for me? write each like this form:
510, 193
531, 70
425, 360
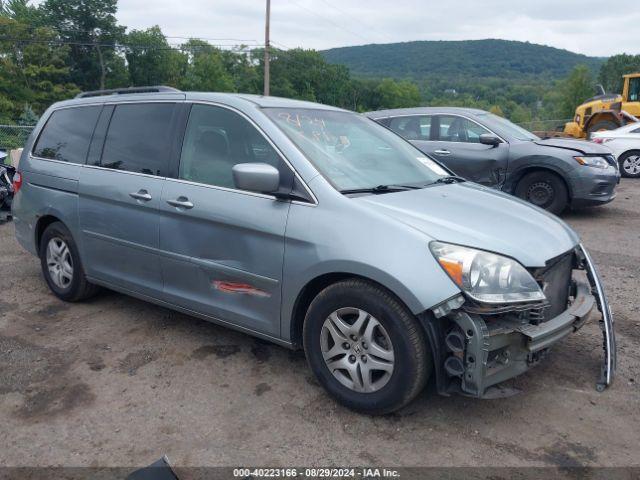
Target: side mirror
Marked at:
256, 177
488, 139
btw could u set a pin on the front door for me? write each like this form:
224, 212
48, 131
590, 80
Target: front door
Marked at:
222, 248
455, 141
121, 192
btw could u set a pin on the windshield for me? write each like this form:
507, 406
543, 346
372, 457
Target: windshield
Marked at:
505, 128
353, 152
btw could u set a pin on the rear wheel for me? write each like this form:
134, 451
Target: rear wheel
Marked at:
544, 189
630, 164
61, 265
365, 347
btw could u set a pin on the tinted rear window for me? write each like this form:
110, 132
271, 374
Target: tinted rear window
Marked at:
67, 134
139, 138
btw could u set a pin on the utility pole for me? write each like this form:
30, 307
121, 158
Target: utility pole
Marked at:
266, 50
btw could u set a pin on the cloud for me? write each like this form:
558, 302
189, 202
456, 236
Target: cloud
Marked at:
584, 26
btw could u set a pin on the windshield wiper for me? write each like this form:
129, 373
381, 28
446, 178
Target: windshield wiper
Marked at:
381, 189
450, 179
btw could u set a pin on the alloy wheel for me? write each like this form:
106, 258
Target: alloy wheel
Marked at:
59, 262
357, 350
631, 165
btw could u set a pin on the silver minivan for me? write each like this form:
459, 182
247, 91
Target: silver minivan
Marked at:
309, 226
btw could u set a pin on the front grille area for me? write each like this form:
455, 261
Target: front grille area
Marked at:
555, 281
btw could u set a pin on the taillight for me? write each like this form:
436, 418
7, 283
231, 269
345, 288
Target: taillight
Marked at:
17, 182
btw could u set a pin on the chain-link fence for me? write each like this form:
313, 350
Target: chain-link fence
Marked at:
545, 125
14, 136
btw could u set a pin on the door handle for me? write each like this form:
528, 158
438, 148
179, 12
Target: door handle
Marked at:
141, 195
181, 202
442, 152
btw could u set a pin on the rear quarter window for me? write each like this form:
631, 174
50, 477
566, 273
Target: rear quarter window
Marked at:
415, 127
67, 134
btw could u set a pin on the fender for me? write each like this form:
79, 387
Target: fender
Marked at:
547, 163
338, 269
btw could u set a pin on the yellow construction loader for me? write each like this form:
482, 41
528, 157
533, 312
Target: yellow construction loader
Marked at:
607, 111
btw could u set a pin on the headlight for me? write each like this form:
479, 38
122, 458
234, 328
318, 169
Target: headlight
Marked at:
486, 277
595, 162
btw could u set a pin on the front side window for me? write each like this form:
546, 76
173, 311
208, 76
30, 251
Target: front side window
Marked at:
67, 134
415, 127
139, 138
505, 128
459, 129
216, 140
353, 152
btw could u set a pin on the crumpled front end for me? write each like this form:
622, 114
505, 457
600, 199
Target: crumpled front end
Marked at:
477, 347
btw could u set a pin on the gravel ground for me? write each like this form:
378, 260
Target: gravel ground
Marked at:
116, 381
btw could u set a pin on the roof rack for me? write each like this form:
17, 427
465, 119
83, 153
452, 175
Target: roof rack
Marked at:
125, 91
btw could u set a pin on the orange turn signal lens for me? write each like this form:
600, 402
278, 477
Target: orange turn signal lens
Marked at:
453, 268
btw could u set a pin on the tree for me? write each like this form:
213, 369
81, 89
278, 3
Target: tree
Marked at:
207, 69
21, 11
612, 70
241, 65
151, 60
32, 70
306, 75
91, 29
398, 94
28, 116
574, 90
496, 110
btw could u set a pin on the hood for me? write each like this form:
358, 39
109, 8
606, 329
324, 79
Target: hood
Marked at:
579, 146
476, 216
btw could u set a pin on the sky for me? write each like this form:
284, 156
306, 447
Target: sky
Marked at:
591, 27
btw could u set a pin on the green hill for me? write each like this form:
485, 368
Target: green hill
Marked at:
467, 58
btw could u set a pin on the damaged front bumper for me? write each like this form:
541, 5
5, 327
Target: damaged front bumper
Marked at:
608, 369
479, 351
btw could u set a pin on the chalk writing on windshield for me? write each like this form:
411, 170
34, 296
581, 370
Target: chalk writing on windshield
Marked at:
313, 128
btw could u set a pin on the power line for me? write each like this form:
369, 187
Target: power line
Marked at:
178, 37
242, 40
330, 21
355, 19
282, 45
29, 41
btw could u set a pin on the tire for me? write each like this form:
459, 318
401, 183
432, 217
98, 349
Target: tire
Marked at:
602, 125
59, 253
630, 164
544, 189
397, 355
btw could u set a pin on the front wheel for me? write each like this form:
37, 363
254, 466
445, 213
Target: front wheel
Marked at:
365, 347
630, 164
545, 190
